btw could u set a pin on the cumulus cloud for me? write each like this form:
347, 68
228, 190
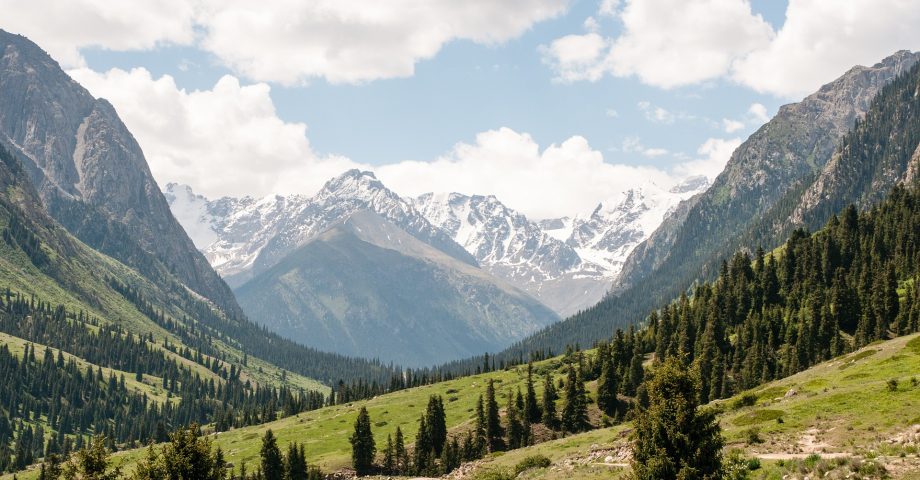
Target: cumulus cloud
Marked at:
672, 43
821, 40
561, 179
224, 141
714, 153
285, 41
63, 27
758, 113
576, 57
732, 126
229, 140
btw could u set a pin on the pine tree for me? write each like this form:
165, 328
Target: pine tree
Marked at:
575, 408
494, 431
513, 423
673, 438
389, 457
437, 424
479, 441
607, 388
402, 456
271, 461
531, 405
295, 463
549, 403
363, 448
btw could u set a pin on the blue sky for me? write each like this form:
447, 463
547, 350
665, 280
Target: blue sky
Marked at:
468, 88
552, 105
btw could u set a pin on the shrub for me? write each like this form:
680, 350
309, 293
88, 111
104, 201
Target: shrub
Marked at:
745, 400
753, 436
892, 385
533, 461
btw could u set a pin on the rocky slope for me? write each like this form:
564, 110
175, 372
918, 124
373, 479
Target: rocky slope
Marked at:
795, 145
567, 263
250, 235
752, 202
366, 287
90, 173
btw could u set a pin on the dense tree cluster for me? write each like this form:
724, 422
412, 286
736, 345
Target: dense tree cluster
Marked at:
76, 399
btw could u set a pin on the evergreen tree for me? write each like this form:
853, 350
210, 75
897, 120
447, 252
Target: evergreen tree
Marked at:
531, 406
607, 388
575, 409
479, 441
494, 431
550, 420
91, 463
363, 448
513, 423
437, 424
295, 464
271, 461
402, 456
673, 438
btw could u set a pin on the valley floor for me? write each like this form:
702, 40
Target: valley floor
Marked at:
842, 415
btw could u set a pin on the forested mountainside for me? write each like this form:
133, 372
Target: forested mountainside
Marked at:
766, 317
781, 158
91, 174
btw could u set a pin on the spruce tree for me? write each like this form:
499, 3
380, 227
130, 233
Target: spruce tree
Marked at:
271, 461
399, 450
363, 448
575, 408
479, 441
513, 423
531, 405
494, 431
437, 424
389, 457
607, 388
550, 420
295, 463
673, 438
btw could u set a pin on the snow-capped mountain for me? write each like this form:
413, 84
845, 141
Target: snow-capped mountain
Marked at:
607, 236
567, 263
242, 237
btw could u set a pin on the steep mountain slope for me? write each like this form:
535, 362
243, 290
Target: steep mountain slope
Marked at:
366, 287
568, 264
90, 172
783, 157
251, 235
794, 145
517, 250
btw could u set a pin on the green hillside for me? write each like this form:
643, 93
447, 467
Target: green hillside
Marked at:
842, 408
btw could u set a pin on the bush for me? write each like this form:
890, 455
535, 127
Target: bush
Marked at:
892, 385
745, 400
753, 436
533, 461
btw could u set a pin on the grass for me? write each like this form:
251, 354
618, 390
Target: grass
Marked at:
846, 411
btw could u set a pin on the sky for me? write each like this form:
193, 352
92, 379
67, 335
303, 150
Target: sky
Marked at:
551, 105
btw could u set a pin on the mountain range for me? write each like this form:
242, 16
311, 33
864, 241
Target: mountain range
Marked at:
797, 170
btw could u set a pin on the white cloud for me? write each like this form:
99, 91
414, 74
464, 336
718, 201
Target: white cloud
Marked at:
715, 153
611, 113
291, 41
228, 140
285, 41
732, 126
758, 113
63, 27
608, 8
576, 57
561, 179
670, 43
820, 40
224, 141
634, 145
656, 114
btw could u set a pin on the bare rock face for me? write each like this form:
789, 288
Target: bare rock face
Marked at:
90, 172
797, 143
